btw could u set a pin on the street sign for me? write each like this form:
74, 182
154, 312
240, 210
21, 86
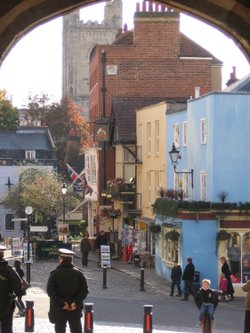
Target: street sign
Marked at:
28, 210
38, 228
19, 219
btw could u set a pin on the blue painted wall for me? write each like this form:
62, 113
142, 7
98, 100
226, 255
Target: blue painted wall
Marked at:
198, 241
224, 157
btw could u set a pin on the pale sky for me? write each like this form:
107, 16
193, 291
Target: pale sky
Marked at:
34, 65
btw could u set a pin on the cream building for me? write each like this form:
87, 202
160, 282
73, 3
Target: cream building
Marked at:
151, 142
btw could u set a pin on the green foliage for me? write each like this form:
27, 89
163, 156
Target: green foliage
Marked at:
165, 207
222, 236
9, 119
172, 235
116, 186
41, 189
66, 124
155, 229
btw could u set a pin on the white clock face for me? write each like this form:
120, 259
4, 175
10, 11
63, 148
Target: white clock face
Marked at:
28, 210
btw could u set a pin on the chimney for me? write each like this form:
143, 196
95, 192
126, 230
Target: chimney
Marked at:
233, 77
197, 92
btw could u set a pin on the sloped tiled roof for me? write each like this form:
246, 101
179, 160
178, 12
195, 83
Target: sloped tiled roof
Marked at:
21, 139
191, 49
240, 85
188, 47
124, 114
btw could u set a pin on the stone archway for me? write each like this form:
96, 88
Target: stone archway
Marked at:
20, 16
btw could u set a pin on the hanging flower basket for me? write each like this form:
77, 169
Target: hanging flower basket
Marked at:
155, 229
172, 235
223, 235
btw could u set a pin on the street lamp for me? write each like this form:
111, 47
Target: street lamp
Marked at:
175, 156
64, 191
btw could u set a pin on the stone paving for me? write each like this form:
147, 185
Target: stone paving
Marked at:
157, 288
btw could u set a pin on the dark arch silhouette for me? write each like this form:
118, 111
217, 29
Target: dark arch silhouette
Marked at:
17, 17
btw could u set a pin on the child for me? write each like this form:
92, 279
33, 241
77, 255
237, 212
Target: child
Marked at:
206, 300
223, 289
176, 279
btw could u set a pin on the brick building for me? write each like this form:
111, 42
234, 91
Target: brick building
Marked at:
156, 61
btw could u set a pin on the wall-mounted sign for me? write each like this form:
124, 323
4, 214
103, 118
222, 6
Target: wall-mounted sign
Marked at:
101, 130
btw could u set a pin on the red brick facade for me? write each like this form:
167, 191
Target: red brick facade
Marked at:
154, 60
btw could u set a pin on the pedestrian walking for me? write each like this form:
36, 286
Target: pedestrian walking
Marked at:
246, 289
10, 286
101, 239
227, 273
206, 300
19, 303
67, 288
85, 248
188, 278
176, 279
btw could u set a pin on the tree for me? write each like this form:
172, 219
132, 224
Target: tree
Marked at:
66, 124
41, 189
9, 118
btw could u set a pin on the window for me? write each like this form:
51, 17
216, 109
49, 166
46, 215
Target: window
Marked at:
176, 128
30, 154
203, 186
139, 140
203, 131
171, 247
149, 186
184, 134
157, 137
177, 181
91, 168
9, 224
148, 139
157, 183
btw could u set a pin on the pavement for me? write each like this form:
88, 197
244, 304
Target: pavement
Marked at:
153, 284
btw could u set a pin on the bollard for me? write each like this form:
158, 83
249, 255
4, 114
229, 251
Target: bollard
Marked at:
88, 318
206, 326
104, 278
142, 280
29, 317
148, 323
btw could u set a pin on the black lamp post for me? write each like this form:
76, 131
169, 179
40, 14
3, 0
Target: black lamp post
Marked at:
175, 156
64, 191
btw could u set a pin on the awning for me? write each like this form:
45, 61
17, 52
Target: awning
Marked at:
144, 219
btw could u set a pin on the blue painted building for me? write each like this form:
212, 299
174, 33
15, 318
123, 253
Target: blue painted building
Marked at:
212, 135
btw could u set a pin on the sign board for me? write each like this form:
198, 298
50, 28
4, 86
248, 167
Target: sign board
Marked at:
19, 219
49, 249
38, 228
105, 256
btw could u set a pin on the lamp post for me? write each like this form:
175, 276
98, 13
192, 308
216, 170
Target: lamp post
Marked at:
175, 156
28, 211
64, 191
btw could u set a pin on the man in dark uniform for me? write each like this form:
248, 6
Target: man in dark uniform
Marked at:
10, 284
67, 289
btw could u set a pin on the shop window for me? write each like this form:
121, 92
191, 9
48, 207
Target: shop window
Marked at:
234, 256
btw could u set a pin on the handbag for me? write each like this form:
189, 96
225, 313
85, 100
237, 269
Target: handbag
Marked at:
25, 284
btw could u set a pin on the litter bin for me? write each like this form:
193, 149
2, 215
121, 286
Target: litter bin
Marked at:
196, 283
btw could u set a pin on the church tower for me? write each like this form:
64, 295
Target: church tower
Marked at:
79, 38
